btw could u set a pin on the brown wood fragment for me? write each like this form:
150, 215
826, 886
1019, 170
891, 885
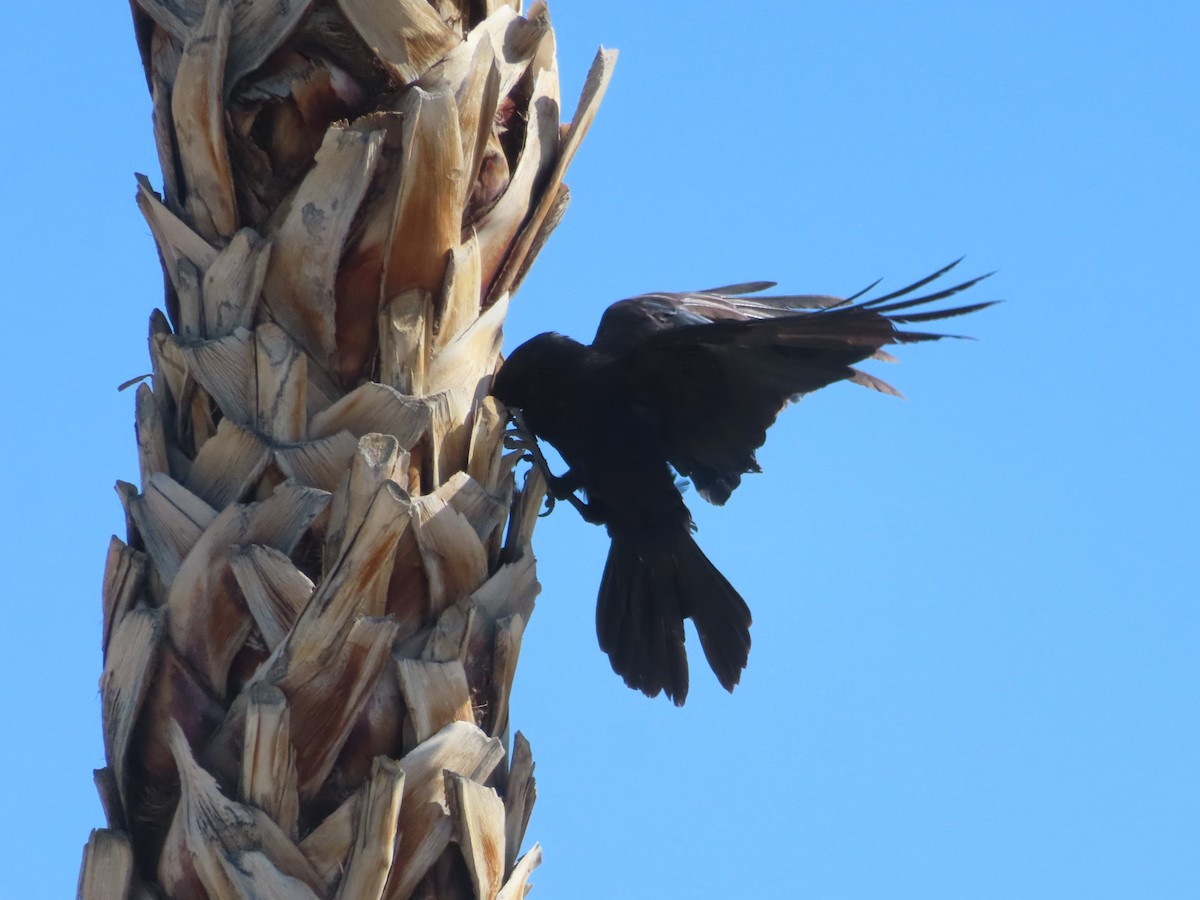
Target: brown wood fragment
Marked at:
128, 495
228, 465
167, 379
110, 798
268, 779
170, 519
235, 850
376, 837
282, 519
174, 693
499, 226
430, 197
175, 16
477, 99
299, 290
200, 416
467, 362
449, 431
461, 293
518, 884
321, 463
487, 437
510, 591
259, 28
304, 667
107, 866
435, 694
151, 435
431, 831
478, 815
208, 622
254, 874
198, 111
189, 304
449, 637
175, 389
408, 590
404, 345
233, 283
327, 846
484, 511
128, 668
362, 564
519, 797
514, 41
594, 88
275, 590
375, 408
525, 512
509, 632
377, 461
281, 381
454, 557
554, 216
224, 367
378, 731
321, 728
124, 583
175, 238
425, 826
359, 282
406, 35
164, 55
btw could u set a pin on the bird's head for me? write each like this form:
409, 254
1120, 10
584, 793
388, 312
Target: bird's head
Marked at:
535, 370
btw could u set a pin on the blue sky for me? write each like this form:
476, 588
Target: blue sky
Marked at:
974, 670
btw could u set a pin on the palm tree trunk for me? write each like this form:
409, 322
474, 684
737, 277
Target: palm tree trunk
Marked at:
312, 626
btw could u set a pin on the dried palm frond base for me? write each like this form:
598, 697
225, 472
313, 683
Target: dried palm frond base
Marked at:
312, 627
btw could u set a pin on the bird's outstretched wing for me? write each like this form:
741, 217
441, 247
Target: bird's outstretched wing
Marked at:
714, 368
627, 323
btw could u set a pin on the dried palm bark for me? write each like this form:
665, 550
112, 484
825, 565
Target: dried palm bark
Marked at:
312, 626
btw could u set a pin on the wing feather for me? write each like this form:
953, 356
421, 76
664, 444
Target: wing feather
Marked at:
715, 369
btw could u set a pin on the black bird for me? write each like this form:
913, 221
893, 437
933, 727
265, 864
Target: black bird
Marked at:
688, 383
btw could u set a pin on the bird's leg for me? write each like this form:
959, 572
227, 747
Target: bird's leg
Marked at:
559, 487
563, 487
566, 487
519, 437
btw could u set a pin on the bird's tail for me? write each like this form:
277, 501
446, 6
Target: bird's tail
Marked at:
652, 582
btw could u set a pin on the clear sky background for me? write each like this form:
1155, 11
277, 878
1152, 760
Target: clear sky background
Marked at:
975, 669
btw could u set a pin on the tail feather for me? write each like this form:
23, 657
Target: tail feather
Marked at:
652, 581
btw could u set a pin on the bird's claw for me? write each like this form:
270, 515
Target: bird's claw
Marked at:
515, 439
519, 437
556, 489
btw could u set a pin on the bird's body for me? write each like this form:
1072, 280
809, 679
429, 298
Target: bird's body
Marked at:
656, 575
610, 442
688, 384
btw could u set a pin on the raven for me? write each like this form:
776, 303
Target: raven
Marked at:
687, 383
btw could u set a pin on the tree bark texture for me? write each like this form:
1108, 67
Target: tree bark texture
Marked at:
312, 625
